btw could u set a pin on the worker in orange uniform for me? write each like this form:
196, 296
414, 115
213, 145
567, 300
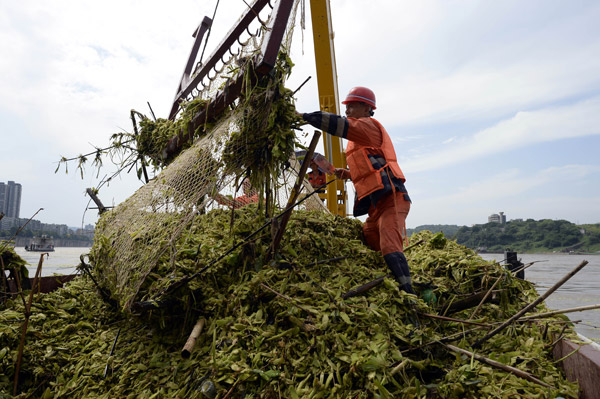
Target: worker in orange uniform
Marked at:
376, 175
317, 176
250, 196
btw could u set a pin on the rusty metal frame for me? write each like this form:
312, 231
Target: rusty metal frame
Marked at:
184, 83
263, 65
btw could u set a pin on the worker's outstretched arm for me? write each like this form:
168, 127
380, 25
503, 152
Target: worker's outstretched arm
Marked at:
362, 130
342, 173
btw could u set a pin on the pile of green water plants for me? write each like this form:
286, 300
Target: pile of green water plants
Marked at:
13, 266
282, 326
154, 135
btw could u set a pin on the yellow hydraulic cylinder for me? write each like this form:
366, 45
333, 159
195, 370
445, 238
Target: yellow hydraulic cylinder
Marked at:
328, 98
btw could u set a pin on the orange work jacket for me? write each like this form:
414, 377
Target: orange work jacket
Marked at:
365, 177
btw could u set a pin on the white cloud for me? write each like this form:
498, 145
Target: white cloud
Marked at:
519, 193
71, 71
523, 129
467, 60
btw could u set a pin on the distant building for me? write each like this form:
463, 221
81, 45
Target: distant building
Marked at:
58, 229
497, 218
10, 199
87, 231
7, 223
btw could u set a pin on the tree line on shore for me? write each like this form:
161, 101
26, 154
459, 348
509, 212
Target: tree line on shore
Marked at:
544, 235
530, 235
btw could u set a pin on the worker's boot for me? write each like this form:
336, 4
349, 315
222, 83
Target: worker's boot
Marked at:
398, 264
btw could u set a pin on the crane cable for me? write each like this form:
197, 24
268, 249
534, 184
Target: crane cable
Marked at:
208, 33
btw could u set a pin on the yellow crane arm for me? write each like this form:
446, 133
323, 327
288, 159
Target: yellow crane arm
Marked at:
328, 97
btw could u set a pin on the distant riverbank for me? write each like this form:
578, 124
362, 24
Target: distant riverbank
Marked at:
58, 242
500, 255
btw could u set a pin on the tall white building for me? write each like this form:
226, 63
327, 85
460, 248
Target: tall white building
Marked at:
10, 199
497, 218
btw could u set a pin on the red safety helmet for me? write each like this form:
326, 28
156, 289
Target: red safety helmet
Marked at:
361, 94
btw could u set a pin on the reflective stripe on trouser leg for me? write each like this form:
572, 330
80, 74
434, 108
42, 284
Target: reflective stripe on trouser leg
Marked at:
398, 265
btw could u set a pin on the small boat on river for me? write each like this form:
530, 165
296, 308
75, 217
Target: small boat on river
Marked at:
43, 243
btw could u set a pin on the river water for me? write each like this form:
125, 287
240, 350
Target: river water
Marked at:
581, 290
63, 260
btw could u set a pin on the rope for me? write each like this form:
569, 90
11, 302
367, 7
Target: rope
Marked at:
208, 33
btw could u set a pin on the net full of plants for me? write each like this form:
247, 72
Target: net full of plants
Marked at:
254, 141
286, 329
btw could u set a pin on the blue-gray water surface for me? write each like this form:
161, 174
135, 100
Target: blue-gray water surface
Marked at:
583, 289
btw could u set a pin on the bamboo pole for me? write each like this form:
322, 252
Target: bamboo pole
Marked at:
554, 312
38, 274
186, 352
493, 363
531, 305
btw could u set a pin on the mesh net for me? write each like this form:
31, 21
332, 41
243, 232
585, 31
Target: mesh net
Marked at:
149, 226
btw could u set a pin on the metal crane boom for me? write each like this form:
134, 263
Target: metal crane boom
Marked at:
328, 97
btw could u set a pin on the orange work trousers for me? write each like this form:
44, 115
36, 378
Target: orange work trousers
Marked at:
385, 226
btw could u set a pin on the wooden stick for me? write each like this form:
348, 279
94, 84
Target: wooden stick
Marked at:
287, 298
399, 367
365, 287
411, 246
531, 305
493, 363
448, 338
38, 274
522, 268
569, 310
94, 197
485, 297
320, 262
467, 303
3, 275
557, 340
433, 316
293, 195
112, 350
372, 284
551, 321
186, 352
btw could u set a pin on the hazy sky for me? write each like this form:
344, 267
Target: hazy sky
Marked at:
492, 105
